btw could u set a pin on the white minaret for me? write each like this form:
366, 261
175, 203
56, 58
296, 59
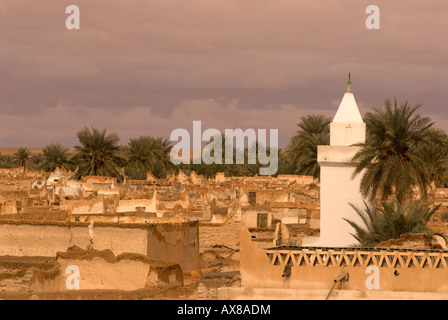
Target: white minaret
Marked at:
337, 188
347, 127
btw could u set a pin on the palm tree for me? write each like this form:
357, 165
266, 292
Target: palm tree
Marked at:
148, 154
302, 149
162, 149
55, 156
435, 158
21, 157
99, 154
315, 124
285, 165
251, 169
208, 168
389, 160
140, 157
35, 162
390, 220
6, 161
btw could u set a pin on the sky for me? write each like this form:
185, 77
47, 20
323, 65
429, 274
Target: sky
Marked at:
148, 67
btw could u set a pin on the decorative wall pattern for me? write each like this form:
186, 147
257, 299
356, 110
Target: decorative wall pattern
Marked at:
338, 257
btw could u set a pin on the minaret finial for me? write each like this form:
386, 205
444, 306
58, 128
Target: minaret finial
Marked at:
349, 83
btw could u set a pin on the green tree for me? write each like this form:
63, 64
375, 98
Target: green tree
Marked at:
389, 159
435, 159
313, 130
256, 149
235, 169
148, 154
163, 165
99, 153
21, 157
6, 161
140, 157
209, 170
55, 156
390, 220
35, 162
285, 166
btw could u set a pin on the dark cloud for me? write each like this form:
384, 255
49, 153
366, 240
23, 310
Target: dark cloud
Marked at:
155, 58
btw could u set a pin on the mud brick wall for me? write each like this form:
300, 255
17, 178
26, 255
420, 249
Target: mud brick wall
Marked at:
175, 242
46, 239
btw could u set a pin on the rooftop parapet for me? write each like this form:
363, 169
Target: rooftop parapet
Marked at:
388, 270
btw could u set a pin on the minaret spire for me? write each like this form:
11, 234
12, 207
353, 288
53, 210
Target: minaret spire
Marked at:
349, 83
348, 111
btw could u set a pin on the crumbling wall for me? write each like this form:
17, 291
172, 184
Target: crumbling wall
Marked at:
99, 179
102, 270
134, 205
265, 196
210, 283
37, 214
290, 215
46, 239
9, 207
249, 216
17, 272
177, 242
298, 179
93, 206
172, 201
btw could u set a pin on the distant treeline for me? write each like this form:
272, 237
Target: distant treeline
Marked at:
402, 151
99, 153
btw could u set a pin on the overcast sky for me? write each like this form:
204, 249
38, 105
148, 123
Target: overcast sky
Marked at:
147, 67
